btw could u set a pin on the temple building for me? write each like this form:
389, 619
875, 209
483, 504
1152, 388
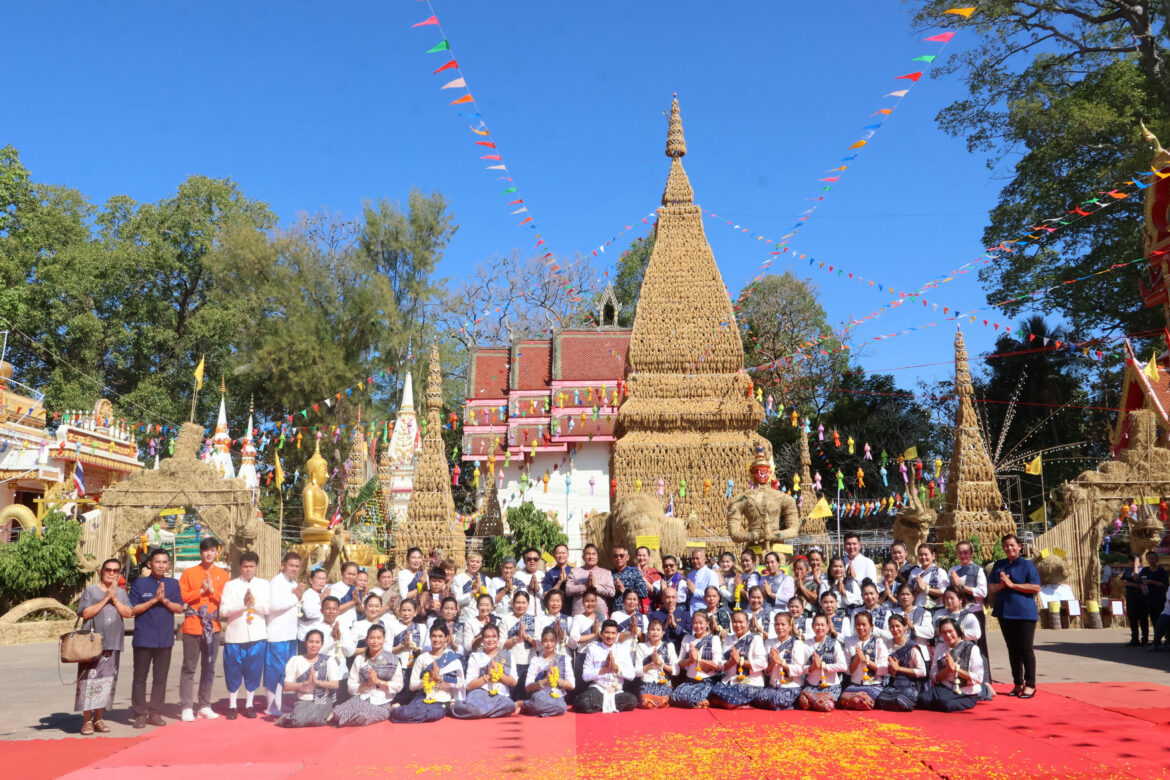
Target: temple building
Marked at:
687, 428
399, 457
540, 417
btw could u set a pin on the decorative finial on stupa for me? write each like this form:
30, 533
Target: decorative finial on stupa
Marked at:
222, 385
676, 143
963, 386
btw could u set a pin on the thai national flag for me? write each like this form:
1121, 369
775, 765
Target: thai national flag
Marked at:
336, 519
79, 479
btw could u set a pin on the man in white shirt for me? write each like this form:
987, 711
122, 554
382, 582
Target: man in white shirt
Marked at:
532, 577
862, 568
284, 598
311, 616
606, 670
700, 578
242, 610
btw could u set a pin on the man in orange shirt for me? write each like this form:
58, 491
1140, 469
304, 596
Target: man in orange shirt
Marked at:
202, 587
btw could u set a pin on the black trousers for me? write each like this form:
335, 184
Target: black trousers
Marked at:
1018, 635
1138, 613
144, 659
589, 701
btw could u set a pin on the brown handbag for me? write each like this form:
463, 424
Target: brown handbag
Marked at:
77, 647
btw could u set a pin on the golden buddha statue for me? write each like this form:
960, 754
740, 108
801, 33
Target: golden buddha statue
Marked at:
315, 528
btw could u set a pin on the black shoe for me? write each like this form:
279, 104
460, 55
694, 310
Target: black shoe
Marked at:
1027, 695
1016, 691
249, 712
232, 714
139, 722
1145, 641
1153, 648
154, 719
1133, 643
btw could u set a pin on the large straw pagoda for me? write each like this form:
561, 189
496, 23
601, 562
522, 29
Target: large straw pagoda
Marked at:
689, 417
430, 515
974, 504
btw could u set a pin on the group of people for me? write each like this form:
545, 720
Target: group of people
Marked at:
1147, 602
425, 643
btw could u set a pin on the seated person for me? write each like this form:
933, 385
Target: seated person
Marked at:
436, 680
957, 672
607, 668
907, 668
313, 678
744, 661
655, 663
867, 666
491, 672
374, 679
700, 659
787, 657
550, 675
822, 679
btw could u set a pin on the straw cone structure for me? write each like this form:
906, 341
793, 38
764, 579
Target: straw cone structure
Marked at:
491, 522
689, 414
809, 525
430, 515
974, 503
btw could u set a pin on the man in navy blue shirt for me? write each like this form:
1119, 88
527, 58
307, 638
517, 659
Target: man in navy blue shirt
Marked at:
155, 599
1014, 582
675, 619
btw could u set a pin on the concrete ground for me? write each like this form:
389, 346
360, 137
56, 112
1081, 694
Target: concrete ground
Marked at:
38, 706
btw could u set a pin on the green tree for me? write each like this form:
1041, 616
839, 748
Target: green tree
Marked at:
627, 282
529, 527
1056, 90
41, 564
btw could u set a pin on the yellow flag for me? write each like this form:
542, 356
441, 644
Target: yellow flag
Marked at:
1151, 369
199, 374
911, 453
1035, 467
1039, 516
279, 474
821, 510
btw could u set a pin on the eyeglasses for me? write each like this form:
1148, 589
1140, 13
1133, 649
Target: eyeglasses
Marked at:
111, 571
531, 560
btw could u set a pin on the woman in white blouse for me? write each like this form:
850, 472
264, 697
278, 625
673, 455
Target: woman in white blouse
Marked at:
822, 679
867, 666
491, 672
787, 659
956, 673
701, 658
374, 679
437, 680
314, 679
744, 662
655, 662
550, 678
907, 667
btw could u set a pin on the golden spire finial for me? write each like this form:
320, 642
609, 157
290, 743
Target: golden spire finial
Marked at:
676, 143
222, 385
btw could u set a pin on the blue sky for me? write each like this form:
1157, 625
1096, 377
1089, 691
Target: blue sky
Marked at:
311, 105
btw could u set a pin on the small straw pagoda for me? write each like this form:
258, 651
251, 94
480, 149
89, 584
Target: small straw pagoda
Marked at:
809, 525
974, 504
430, 516
688, 425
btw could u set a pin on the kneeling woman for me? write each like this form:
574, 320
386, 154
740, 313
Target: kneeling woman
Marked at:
787, 657
437, 679
744, 662
314, 679
550, 677
822, 679
957, 672
701, 658
608, 666
867, 666
374, 678
907, 666
655, 662
490, 674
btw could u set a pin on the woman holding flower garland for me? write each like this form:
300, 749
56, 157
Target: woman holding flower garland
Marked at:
701, 658
867, 666
437, 680
907, 667
314, 678
374, 679
550, 677
491, 672
655, 663
744, 662
787, 658
822, 681
957, 672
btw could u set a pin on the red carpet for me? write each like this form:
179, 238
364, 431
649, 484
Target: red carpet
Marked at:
1159, 715
43, 759
1112, 694
1052, 735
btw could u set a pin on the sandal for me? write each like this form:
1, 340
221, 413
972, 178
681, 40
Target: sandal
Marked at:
1027, 695
100, 726
87, 728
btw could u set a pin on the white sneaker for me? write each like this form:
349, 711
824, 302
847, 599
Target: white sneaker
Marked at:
188, 716
208, 713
